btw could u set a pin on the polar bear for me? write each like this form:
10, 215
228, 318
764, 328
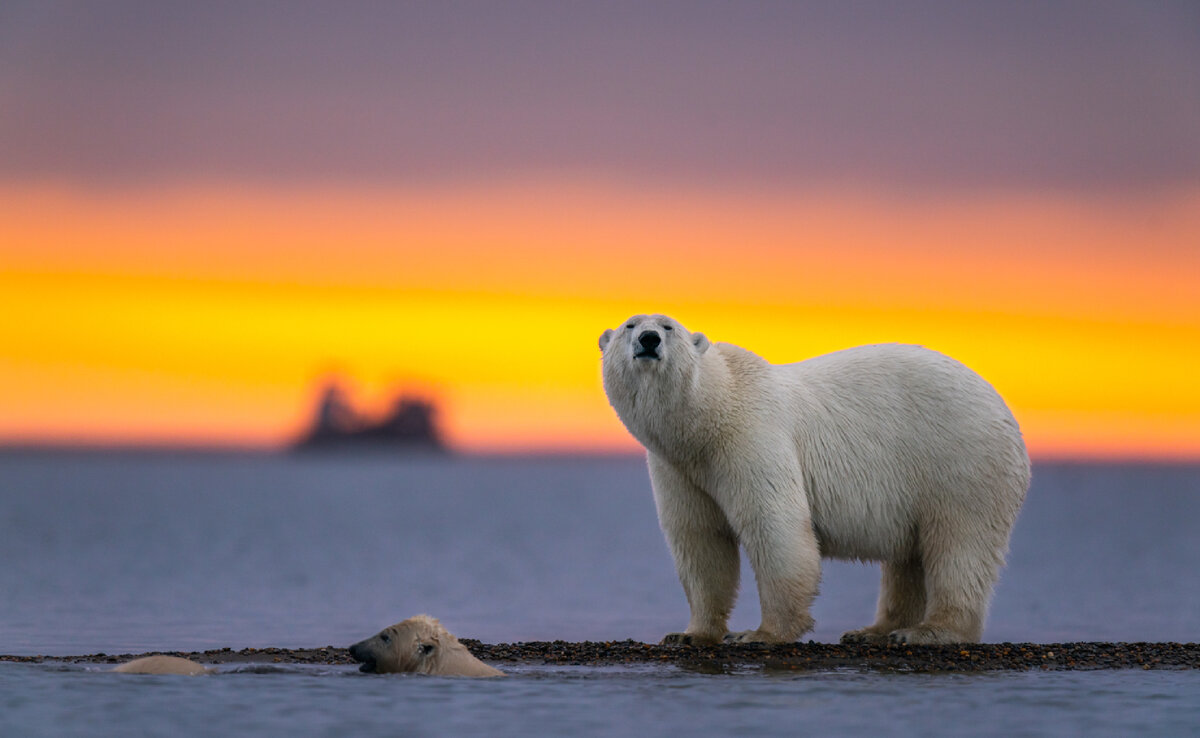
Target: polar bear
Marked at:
886, 453
161, 665
419, 644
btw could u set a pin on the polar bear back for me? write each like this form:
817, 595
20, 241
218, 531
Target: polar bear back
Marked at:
893, 437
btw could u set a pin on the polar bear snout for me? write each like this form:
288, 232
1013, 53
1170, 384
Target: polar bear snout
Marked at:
649, 341
363, 654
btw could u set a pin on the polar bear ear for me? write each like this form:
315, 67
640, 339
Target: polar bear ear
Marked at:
700, 341
605, 337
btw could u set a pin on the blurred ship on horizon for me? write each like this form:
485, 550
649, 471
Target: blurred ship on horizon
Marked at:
410, 425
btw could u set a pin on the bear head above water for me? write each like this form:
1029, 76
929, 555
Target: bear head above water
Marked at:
418, 645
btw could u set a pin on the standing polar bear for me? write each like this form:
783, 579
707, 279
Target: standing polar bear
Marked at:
883, 453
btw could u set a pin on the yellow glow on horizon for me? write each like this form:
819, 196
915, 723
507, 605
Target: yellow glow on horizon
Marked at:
206, 315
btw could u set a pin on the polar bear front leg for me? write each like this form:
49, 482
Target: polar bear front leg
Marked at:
705, 551
777, 532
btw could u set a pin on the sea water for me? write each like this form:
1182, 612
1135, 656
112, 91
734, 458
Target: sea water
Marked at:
128, 552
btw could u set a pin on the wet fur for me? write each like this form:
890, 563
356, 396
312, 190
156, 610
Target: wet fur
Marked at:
419, 645
161, 665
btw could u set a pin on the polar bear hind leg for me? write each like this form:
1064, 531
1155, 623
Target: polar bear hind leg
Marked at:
901, 602
941, 597
960, 572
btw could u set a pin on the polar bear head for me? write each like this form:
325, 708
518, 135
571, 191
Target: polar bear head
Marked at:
649, 349
420, 645
649, 343
651, 364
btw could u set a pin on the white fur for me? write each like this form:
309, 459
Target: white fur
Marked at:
159, 664
884, 453
419, 645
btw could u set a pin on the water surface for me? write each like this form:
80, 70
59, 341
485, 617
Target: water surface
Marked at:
122, 553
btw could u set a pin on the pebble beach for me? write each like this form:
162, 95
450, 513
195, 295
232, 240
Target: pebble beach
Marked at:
796, 656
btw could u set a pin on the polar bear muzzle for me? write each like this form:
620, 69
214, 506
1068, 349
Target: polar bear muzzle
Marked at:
649, 341
362, 653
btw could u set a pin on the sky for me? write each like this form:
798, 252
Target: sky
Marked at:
208, 209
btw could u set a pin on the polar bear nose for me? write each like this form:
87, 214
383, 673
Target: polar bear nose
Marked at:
649, 340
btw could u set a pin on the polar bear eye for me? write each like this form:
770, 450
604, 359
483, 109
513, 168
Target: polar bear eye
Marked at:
426, 649
630, 326
668, 328
385, 638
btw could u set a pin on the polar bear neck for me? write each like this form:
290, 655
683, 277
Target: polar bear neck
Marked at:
683, 414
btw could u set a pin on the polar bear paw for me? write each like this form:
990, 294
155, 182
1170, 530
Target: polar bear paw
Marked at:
756, 636
870, 635
690, 639
925, 634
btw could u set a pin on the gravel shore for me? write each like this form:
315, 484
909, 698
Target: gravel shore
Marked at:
723, 658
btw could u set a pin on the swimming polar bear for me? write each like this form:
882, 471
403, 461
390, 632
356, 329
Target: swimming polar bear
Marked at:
886, 453
421, 645
162, 665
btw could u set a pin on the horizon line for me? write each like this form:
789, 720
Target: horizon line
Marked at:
399, 453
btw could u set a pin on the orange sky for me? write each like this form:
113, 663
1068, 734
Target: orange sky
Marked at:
206, 314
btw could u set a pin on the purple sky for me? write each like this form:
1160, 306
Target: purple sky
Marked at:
1082, 95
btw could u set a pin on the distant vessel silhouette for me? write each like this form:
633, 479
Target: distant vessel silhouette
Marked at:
410, 425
